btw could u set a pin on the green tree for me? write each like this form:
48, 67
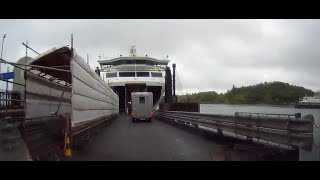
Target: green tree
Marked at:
267, 92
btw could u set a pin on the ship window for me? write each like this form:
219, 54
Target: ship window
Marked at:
141, 62
127, 74
110, 75
142, 100
155, 74
142, 74
129, 62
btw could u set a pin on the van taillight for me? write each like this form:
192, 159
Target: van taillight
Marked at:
132, 114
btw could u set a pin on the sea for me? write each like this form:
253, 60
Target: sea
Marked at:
304, 155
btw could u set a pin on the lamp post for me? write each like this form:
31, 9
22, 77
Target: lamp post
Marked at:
4, 36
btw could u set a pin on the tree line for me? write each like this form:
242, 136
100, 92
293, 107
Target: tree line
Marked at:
264, 93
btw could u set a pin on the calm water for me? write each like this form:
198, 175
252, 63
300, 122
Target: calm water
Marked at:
313, 155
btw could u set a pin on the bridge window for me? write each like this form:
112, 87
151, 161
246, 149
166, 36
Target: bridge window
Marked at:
143, 74
142, 100
127, 74
141, 62
155, 74
111, 75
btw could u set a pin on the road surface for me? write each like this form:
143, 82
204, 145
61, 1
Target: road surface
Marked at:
123, 140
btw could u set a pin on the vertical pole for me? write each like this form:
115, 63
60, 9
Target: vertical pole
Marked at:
168, 86
25, 79
174, 79
67, 149
71, 45
88, 59
174, 82
7, 94
4, 36
25, 135
25, 67
7, 81
125, 99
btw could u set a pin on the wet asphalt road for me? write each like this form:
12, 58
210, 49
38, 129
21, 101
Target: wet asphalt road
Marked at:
123, 140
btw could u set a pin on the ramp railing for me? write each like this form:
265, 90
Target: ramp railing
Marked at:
282, 130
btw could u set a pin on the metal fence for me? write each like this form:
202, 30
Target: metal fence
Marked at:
10, 99
290, 131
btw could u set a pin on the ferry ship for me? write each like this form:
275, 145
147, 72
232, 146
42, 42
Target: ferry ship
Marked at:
309, 102
127, 74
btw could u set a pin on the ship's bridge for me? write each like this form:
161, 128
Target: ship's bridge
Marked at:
118, 71
105, 63
134, 73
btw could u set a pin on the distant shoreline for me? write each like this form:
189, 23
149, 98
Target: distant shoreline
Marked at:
270, 105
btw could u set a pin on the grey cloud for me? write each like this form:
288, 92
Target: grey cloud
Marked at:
210, 54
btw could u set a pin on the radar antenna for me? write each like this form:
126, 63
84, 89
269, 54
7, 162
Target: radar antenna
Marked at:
132, 51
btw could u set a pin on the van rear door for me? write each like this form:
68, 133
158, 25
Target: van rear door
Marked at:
142, 107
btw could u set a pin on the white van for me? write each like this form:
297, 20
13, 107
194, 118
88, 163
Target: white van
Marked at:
142, 106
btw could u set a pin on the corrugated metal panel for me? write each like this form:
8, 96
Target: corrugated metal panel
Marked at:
43, 97
86, 90
89, 97
92, 97
83, 116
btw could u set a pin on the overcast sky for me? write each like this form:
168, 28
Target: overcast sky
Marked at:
210, 54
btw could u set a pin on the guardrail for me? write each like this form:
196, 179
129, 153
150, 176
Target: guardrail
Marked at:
281, 129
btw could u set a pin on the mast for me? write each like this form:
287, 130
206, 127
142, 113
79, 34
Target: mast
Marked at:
132, 51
